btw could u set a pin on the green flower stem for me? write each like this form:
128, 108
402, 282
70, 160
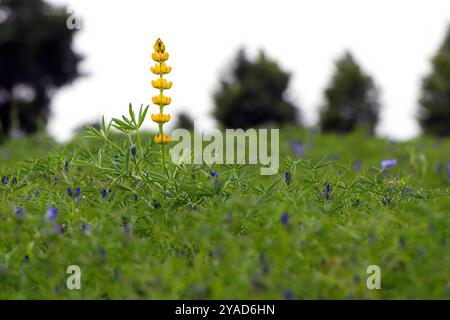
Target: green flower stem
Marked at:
161, 131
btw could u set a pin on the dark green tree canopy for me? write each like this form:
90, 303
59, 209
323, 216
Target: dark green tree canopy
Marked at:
351, 99
434, 115
253, 94
36, 58
184, 121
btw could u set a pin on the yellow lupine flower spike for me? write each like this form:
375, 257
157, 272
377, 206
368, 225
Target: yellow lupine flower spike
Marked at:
160, 69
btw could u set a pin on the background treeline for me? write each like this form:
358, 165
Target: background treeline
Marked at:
36, 61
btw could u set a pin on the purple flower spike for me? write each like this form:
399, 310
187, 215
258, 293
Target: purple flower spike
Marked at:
51, 213
388, 163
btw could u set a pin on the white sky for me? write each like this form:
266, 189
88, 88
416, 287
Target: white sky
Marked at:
393, 41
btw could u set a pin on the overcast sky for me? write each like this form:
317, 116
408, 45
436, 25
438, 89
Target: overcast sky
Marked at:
393, 41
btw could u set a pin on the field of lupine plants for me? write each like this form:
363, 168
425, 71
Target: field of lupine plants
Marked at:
337, 205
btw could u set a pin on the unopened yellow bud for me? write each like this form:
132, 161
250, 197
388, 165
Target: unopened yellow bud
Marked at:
159, 46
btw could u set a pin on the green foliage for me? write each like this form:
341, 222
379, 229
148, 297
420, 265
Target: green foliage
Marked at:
133, 149
435, 100
351, 99
139, 234
253, 94
36, 58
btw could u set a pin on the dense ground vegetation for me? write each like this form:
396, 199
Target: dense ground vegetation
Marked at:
225, 231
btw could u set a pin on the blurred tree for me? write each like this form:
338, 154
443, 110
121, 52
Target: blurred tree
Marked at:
434, 115
36, 58
351, 99
253, 94
184, 121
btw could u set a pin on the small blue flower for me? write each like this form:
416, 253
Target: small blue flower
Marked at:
288, 294
84, 227
77, 191
357, 165
26, 259
51, 213
287, 177
387, 201
285, 218
388, 163
104, 193
37, 193
20, 212
156, 204
448, 169
16, 134
264, 265
229, 216
136, 197
214, 174
402, 242
127, 229
102, 252
69, 191
59, 229
4, 180
327, 191
298, 148
407, 191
